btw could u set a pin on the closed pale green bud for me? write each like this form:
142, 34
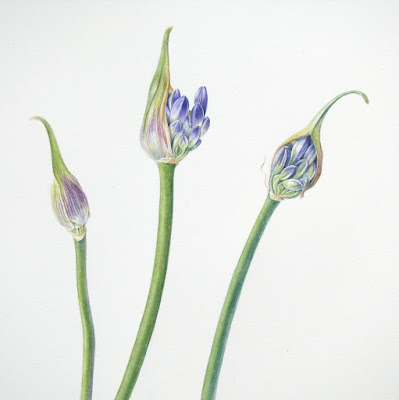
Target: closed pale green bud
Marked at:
69, 202
297, 163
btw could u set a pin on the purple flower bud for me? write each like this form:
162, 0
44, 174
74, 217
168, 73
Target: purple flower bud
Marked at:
183, 142
201, 97
194, 136
186, 124
197, 115
175, 128
280, 160
288, 172
179, 109
172, 97
310, 154
298, 149
205, 126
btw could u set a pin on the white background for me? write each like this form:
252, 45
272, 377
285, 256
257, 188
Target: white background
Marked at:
318, 316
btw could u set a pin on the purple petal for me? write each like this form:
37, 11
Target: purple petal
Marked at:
179, 109
310, 154
205, 126
299, 148
194, 136
183, 142
186, 124
175, 128
201, 97
172, 97
196, 145
280, 160
197, 115
288, 172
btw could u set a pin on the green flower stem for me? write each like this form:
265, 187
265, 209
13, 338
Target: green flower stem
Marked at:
166, 173
231, 301
87, 321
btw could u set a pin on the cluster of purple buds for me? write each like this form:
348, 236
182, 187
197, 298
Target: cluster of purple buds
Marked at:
186, 126
293, 169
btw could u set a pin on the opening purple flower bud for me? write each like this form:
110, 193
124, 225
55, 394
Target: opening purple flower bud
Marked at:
304, 158
160, 134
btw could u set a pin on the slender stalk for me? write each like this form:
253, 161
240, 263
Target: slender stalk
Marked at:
166, 173
87, 321
231, 301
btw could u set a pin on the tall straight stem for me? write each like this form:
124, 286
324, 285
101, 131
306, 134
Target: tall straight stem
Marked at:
166, 174
87, 321
231, 301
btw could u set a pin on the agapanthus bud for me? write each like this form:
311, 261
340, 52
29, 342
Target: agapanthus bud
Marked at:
170, 130
297, 163
68, 199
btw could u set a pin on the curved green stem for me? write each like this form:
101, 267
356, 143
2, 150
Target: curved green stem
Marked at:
231, 301
166, 173
87, 321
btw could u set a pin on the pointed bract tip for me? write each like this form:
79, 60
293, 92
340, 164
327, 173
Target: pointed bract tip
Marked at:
365, 98
59, 166
37, 118
166, 34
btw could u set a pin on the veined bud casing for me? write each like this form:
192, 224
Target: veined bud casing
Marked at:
297, 163
170, 130
69, 202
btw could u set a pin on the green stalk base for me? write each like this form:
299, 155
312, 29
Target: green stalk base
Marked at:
166, 174
87, 321
231, 301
